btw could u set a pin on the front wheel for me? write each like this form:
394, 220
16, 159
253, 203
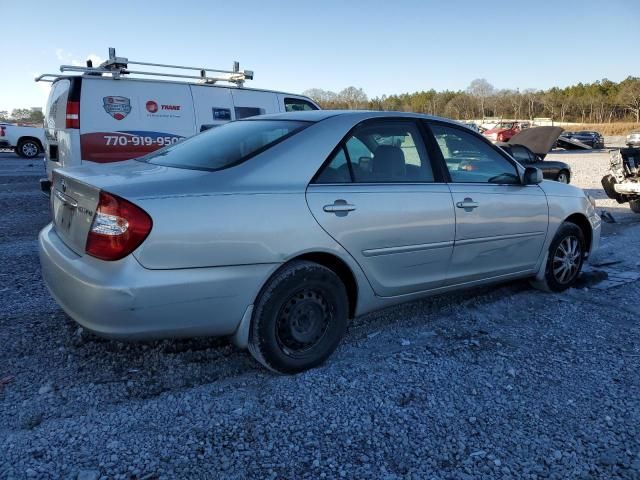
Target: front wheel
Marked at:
299, 318
635, 205
28, 149
564, 262
563, 177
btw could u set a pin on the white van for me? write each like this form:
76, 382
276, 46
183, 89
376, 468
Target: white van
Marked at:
104, 115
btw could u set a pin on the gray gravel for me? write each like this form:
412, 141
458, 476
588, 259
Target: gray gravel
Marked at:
501, 382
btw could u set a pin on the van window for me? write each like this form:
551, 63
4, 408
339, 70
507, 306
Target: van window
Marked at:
298, 105
246, 112
226, 145
56, 108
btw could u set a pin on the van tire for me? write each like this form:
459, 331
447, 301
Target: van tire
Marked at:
28, 148
299, 319
635, 205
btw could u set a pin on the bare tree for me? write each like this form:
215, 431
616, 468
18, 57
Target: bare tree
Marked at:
481, 90
630, 96
354, 97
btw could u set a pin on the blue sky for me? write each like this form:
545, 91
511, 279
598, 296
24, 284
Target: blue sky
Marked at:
382, 46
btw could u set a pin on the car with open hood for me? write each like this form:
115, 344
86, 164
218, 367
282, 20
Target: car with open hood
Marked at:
275, 230
531, 146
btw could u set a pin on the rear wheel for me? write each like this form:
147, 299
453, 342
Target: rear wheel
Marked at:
28, 148
563, 177
299, 318
635, 205
564, 262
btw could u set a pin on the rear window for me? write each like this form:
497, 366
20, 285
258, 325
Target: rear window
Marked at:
226, 145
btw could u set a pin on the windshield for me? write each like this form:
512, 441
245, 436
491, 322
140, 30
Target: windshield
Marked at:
225, 146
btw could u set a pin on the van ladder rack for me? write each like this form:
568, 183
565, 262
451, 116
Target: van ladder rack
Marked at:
118, 66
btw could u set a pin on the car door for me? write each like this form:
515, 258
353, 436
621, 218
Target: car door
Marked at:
501, 225
380, 198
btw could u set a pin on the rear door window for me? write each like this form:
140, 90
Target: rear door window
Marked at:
380, 152
56, 108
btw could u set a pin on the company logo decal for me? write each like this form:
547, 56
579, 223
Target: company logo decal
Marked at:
117, 107
152, 107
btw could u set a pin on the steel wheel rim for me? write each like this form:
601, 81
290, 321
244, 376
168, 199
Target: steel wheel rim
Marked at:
562, 178
566, 260
303, 321
29, 149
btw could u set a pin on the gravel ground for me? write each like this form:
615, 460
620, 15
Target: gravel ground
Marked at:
500, 382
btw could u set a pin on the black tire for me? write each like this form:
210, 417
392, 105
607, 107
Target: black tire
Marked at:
299, 318
560, 275
635, 205
28, 148
563, 177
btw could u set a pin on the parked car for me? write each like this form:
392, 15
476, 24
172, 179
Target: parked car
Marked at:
591, 138
275, 230
633, 139
503, 131
106, 116
622, 183
530, 148
26, 140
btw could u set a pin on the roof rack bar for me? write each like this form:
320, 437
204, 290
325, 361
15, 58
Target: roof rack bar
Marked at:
44, 77
118, 66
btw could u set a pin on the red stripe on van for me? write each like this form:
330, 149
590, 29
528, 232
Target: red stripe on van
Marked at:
107, 147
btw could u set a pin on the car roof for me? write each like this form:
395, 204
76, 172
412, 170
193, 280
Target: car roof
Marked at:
319, 115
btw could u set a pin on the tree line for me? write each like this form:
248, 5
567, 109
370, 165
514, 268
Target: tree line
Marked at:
22, 115
602, 101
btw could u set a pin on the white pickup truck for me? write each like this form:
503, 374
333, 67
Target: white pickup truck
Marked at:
25, 140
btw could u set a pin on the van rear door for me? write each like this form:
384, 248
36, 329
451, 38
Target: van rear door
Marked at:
125, 119
249, 103
213, 106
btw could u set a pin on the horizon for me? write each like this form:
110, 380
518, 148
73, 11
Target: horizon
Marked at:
363, 48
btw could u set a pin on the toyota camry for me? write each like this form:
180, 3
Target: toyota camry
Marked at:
276, 230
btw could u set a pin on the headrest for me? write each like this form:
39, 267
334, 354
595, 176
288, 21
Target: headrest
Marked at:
388, 162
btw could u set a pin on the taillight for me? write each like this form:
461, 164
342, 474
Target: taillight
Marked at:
118, 228
1, 131
73, 115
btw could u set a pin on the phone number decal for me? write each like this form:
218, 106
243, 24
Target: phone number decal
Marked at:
124, 140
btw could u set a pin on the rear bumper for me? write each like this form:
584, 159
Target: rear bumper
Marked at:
124, 300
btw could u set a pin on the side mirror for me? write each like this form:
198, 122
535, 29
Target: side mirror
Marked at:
532, 176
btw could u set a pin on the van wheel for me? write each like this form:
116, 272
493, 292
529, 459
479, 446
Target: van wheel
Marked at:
299, 319
635, 205
564, 262
28, 148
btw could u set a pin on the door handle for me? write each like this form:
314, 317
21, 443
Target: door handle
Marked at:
339, 207
468, 204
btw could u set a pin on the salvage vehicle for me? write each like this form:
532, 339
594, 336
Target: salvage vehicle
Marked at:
622, 183
633, 139
277, 229
587, 137
530, 148
26, 140
111, 113
503, 131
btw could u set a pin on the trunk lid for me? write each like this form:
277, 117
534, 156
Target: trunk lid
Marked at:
73, 204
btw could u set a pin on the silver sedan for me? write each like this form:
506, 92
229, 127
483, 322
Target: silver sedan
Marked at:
276, 230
